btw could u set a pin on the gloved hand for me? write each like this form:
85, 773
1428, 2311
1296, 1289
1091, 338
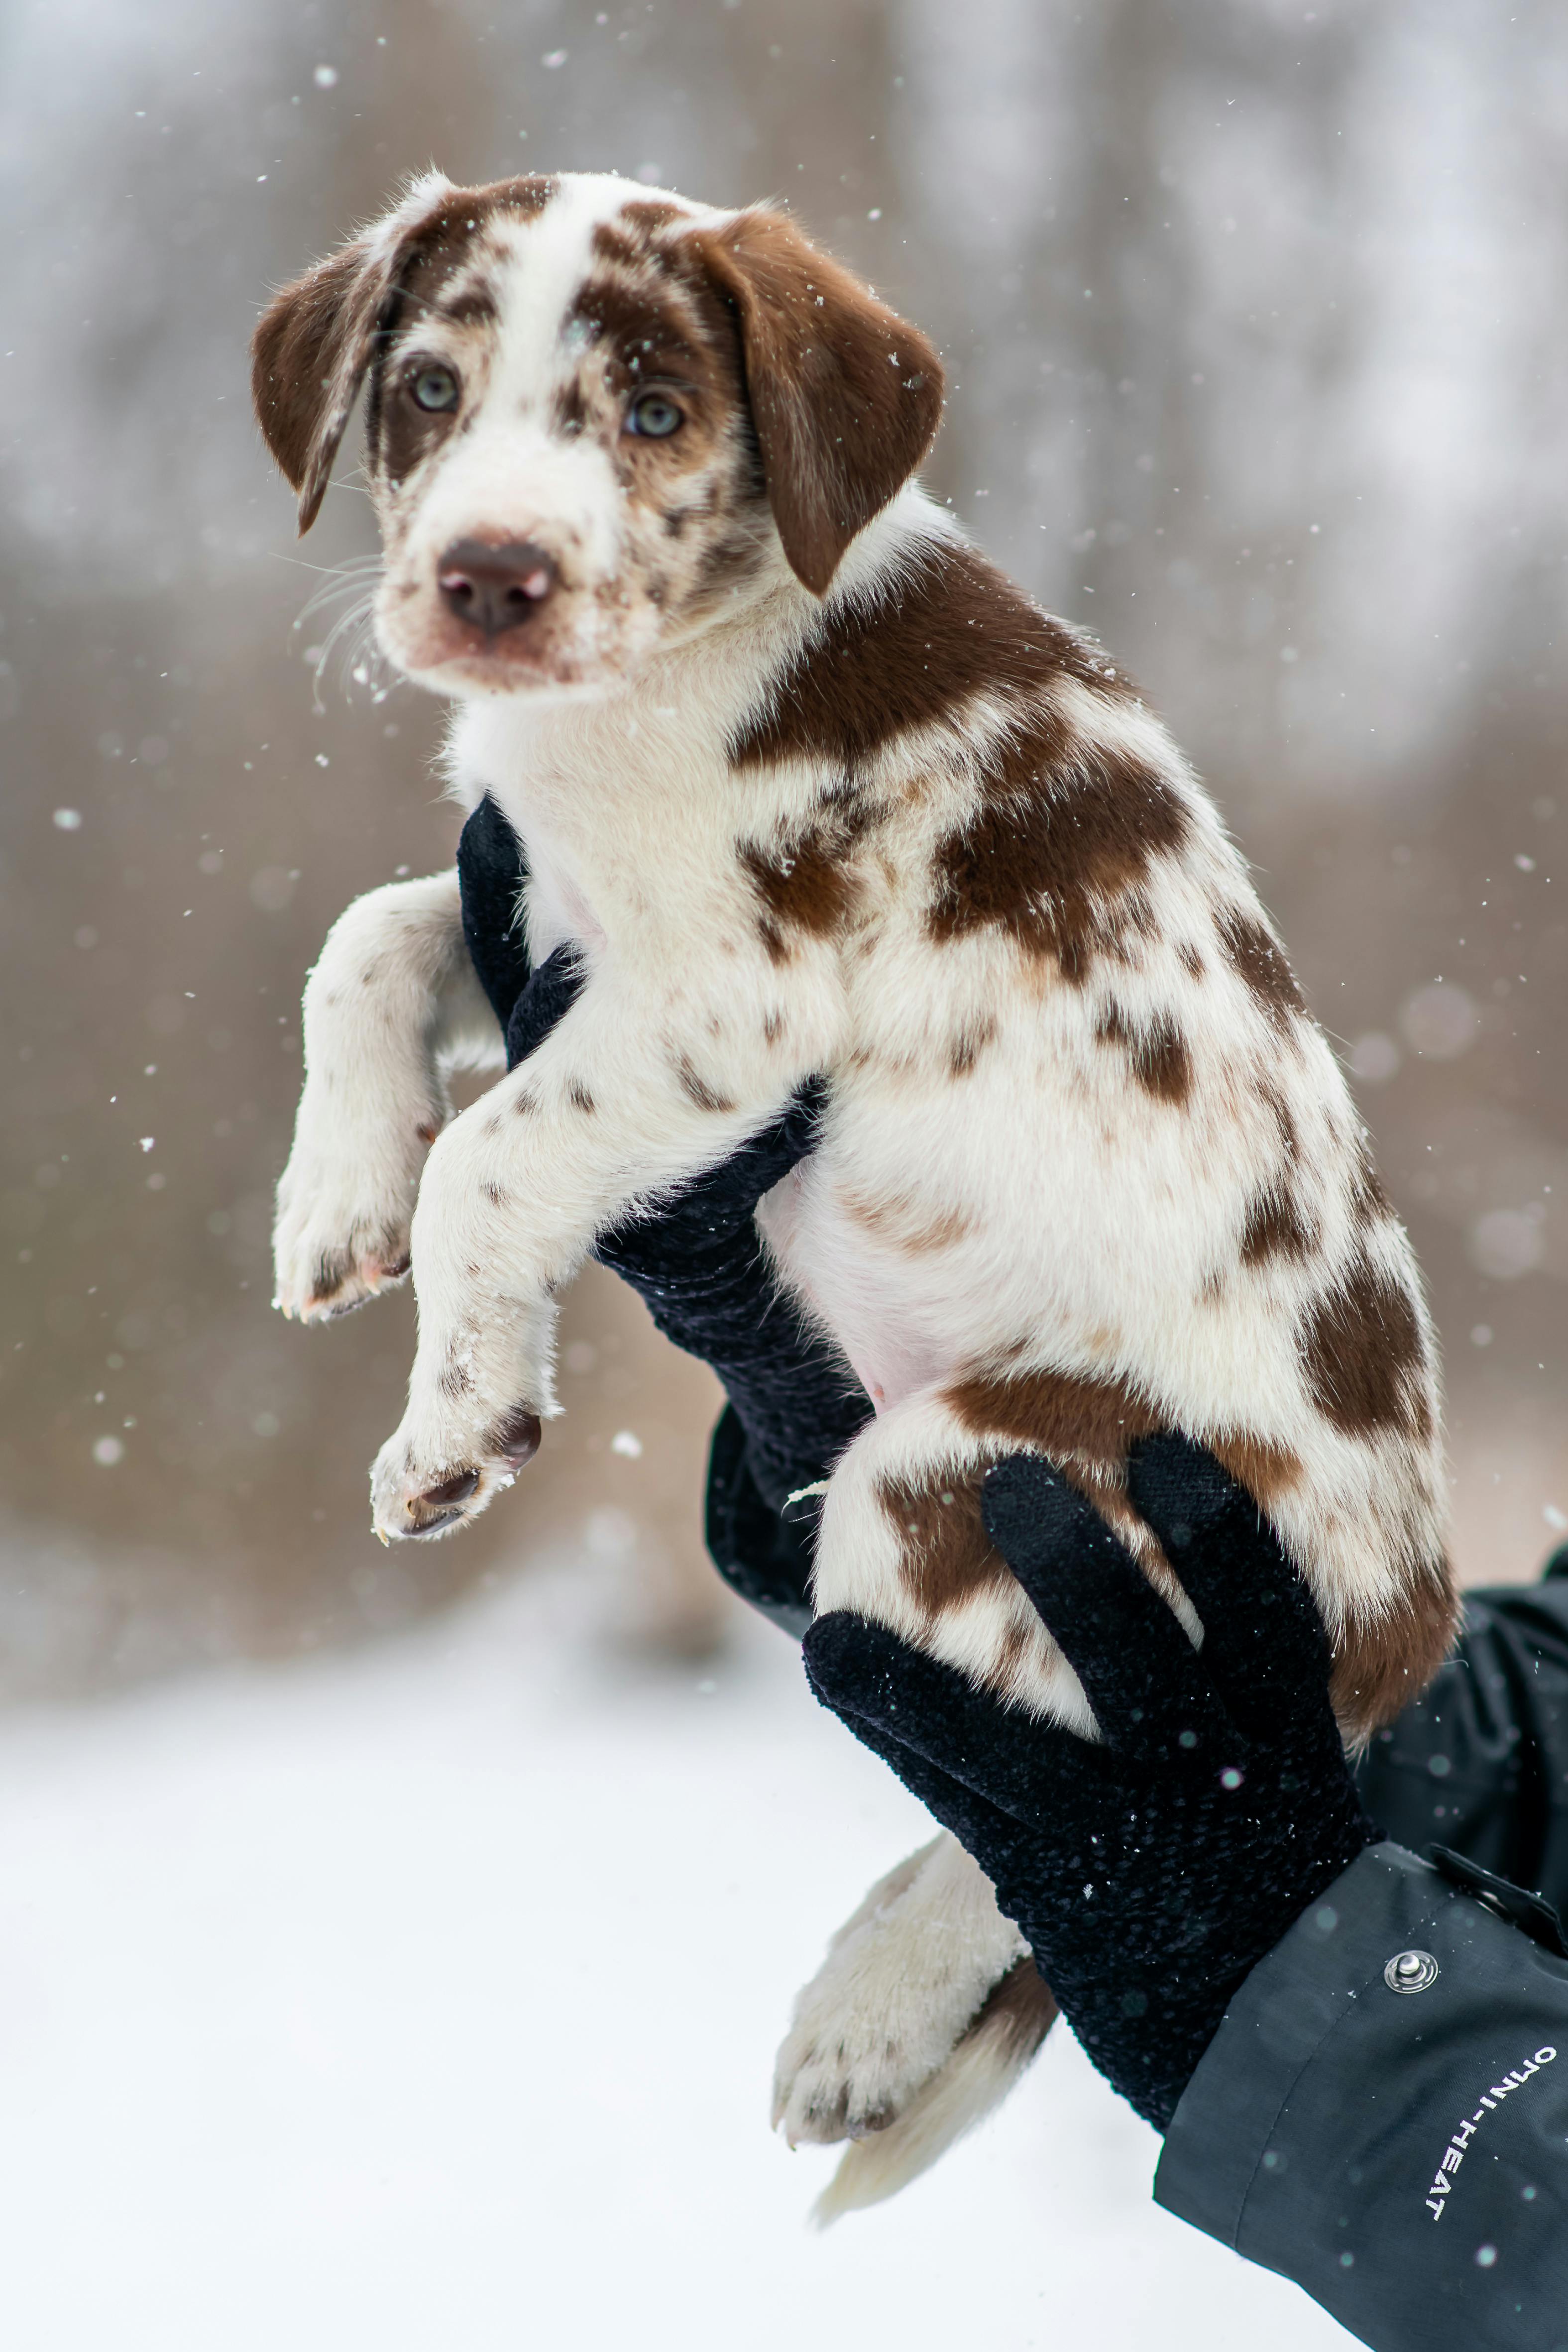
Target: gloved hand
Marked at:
1152, 1872
695, 1258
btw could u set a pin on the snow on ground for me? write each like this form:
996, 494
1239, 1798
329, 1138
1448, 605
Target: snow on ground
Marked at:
426, 2001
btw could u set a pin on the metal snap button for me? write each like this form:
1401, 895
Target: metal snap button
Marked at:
1411, 1972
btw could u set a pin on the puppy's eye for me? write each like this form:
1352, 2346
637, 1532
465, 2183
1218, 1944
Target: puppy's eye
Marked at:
435, 388
654, 417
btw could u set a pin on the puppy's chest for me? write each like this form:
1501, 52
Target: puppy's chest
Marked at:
622, 815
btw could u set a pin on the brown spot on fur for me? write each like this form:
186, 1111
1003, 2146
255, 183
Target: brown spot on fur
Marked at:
1275, 1227
1071, 1418
473, 305
1284, 1118
1259, 961
614, 242
698, 1091
947, 1555
1014, 1648
1370, 1204
947, 627
427, 1132
455, 1379
1064, 833
648, 214
1162, 1064
579, 1098
644, 324
1190, 959
1362, 1350
525, 196
495, 1194
728, 555
807, 884
772, 1027
1268, 1471
966, 1049
1157, 1050
1382, 1663
1017, 2013
570, 403
902, 1221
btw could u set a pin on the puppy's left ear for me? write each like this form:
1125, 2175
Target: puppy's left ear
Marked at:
845, 395
315, 340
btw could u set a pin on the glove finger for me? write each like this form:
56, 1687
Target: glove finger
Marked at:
1149, 1689
803, 1115
996, 1755
551, 994
1264, 1643
721, 1200
767, 1157
984, 1830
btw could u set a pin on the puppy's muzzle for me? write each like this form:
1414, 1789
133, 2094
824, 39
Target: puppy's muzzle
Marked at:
495, 588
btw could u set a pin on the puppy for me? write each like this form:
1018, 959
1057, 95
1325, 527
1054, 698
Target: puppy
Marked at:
810, 787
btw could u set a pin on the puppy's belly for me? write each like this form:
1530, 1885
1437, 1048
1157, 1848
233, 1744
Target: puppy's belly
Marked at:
893, 1347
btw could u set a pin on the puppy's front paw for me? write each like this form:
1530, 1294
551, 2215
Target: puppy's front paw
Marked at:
429, 1482
902, 1980
342, 1232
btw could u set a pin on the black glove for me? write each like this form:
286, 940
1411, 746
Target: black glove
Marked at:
695, 1259
1149, 1875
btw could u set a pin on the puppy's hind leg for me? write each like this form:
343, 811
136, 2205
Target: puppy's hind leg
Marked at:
903, 1980
929, 2007
993, 2052
925, 2013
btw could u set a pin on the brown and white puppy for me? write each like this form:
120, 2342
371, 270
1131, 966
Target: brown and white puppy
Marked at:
812, 788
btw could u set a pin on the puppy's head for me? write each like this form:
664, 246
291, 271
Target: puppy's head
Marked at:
598, 419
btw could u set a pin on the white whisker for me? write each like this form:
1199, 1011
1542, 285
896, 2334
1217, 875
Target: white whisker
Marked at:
350, 638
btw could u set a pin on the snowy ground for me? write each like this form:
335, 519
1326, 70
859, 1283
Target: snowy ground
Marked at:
426, 2001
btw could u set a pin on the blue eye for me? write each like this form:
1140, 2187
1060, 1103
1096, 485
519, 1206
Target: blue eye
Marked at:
654, 416
435, 388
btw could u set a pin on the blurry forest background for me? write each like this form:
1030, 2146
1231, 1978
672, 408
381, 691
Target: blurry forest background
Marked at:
1256, 327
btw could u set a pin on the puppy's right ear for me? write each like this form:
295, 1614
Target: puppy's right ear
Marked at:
315, 340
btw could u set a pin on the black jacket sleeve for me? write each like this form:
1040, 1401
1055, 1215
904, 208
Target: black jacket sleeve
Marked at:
1383, 2116
1480, 1760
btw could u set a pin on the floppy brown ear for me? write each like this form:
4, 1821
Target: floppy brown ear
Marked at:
314, 341
845, 395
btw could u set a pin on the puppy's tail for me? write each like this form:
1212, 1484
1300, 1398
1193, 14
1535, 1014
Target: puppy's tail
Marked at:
993, 2050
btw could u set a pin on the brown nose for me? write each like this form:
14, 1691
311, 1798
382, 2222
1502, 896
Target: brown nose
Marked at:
494, 588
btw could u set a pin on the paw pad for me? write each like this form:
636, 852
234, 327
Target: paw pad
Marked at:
441, 1506
516, 1439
